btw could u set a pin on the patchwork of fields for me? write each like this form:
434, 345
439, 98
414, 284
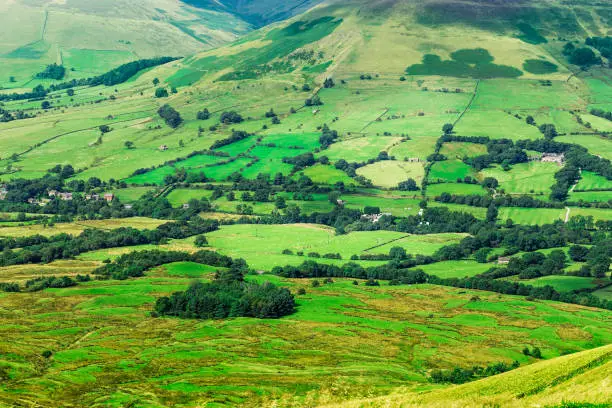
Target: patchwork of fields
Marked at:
397, 188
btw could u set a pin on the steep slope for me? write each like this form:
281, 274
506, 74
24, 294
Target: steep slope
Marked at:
387, 36
258, 12
92, 37
579, 377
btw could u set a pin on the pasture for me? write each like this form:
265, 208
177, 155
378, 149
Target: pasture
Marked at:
525, 178
434, 190
324, 174
389, 173
562, 283
101, 335
450, 171
266, 243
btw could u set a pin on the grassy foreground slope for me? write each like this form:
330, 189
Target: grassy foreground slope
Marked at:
579, 377
344, 342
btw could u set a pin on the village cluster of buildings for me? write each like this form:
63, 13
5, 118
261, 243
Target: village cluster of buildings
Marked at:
89, 197
374, 217
558, 158
109, 197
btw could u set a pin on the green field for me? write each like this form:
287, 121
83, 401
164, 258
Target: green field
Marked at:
460, 150
327, 175
266, 243
450, 171
592, 181
525, 178
594, 144
360, 149
434, 190
536, 216
418, 147
562, 283
390, 173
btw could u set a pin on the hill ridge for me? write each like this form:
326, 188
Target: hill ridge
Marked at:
586, 380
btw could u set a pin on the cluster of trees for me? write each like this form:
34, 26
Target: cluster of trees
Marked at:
301, 161
535, 264
501, 151
203, 114
581, 56
534, 352
170, 116
602, 114
124, 72
7, 116
52, 71
565, 178
579, 157
460, 375
37, 93
408, 185
394, 271
228, 295
135, 264
597, 259
397, 272
236, 136
161, 93
231, 117
314, 101
327, 137
38, 284
548, 130
601, 44
436, 220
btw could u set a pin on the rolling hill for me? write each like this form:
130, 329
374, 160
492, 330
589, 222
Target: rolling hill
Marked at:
258, 12
428, 180
577, 378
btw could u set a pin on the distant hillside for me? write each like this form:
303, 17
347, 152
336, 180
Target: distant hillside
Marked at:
258, 12
472, 38
91, 37
579, 377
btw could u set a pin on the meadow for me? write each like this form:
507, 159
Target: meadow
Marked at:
525, 178
390, 173
543, 382
75, 228
101, 336
266, 244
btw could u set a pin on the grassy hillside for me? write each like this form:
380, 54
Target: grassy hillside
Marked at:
258, 12
344, 342
580, 377
89, 38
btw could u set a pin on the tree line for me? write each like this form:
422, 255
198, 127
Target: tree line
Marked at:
113, 77
64, 246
